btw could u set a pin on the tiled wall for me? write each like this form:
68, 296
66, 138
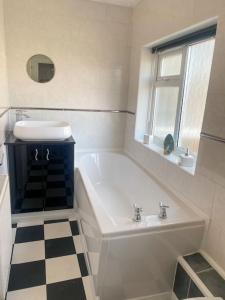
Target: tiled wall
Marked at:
153, 20
4, 102
4, 127
91, 130
89, 43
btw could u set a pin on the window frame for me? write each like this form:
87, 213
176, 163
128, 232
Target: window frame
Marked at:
173, 80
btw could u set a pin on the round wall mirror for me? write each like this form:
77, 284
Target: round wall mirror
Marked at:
40, 68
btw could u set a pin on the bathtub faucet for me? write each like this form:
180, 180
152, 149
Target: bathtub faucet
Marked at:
137, 213
162, 210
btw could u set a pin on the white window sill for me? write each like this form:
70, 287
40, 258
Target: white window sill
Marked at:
173, 157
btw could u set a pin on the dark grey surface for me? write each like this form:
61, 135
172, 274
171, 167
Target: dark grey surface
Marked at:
27, 275
194, 291
207, 274
59, 247
66, 290
29, 234
182, 283
214, 282
197, 262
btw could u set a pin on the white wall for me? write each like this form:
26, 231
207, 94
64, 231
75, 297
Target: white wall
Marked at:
89, 45
4, 102
87, 41
92, 131
153, 20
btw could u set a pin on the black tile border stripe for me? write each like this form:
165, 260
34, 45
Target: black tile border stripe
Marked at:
74, 109
56, 221
5, 110
212, 137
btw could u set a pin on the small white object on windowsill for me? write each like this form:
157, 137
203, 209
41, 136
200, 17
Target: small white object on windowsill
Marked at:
146, 139
186, 160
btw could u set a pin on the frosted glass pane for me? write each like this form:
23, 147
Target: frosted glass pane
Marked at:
166, 99
195, 93
170, 64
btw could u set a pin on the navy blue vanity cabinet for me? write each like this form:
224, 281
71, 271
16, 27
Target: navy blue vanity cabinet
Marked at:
41, 174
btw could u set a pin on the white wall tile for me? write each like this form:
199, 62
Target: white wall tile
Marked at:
88, 43
91, 130
153, 20
4, 101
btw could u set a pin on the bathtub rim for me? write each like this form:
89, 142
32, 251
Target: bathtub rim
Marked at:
201, 219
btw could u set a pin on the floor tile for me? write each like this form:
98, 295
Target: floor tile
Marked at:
194, 291
57, 230
66, 290
74, 228
27, 275
35, 293
214, 282
56, 221
59, 247
29, 234
82, 264
88, 287
182, 283
197, 262
30, 223
27, 252
62, 268
78, 244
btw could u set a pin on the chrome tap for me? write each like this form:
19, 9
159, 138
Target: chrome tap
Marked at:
20, 114
137, 213
162, 210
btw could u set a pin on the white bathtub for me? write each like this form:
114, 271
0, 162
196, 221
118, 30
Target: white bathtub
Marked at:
131, 260
114, 183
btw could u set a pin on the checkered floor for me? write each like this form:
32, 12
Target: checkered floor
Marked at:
48, 262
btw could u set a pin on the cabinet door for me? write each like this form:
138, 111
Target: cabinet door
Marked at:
29, 181
59, 178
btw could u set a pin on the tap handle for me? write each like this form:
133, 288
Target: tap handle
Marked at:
161, 205
137, 209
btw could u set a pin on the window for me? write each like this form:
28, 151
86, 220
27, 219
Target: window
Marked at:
179, 93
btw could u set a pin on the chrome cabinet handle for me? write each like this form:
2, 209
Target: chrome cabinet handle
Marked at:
47, 155
36, 154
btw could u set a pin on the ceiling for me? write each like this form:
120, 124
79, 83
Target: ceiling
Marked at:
128, 3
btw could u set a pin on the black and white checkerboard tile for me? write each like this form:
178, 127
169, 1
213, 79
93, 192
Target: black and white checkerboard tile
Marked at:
48, 262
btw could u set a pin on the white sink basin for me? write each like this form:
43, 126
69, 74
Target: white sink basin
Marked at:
42, 130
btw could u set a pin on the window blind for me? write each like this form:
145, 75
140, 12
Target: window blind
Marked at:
199, 35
